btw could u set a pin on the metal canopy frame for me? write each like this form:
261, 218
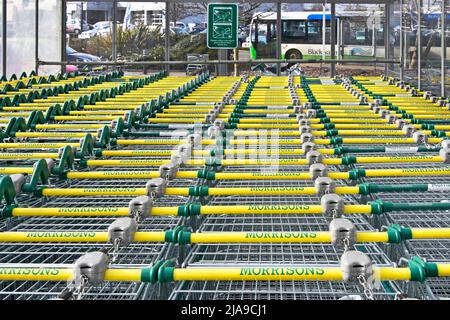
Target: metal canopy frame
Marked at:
223, 58
223, 54
258, 1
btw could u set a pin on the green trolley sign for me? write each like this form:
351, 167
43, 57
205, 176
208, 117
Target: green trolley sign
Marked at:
222, 26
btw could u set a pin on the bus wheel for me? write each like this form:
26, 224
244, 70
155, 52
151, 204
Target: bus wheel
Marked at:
293, 54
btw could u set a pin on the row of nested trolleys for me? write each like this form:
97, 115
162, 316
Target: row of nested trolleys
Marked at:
202, 187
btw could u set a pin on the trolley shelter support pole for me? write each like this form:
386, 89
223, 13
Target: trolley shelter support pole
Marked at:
419, 44
338, 38
401, 44
63, 34
443, 13
236, 66
333, 38
167, 37
222, 54
81, 16
324, 24
374, 40
4, 35
114, 31
387, 18
341, 42
406, 45
278, 37
36, 37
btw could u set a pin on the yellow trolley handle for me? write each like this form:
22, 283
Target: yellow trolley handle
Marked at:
164, 272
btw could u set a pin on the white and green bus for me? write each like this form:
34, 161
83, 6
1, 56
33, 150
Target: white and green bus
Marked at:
357, 35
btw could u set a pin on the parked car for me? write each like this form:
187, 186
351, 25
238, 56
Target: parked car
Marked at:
196, 30
179, 31
100, 28
178, 24
74, 56
74, 26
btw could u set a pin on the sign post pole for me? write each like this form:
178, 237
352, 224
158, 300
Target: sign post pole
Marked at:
222, 30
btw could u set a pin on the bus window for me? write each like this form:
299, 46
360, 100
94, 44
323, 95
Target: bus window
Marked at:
271, 31
265, 43
293, 31
315, 32
259, 29
379, 33
356, 33
360, 36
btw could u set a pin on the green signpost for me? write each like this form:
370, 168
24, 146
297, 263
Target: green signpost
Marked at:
222, 26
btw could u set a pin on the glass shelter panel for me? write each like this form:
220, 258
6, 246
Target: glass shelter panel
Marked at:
49, 34
20, 36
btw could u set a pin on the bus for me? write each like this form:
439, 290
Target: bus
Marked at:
358, 34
